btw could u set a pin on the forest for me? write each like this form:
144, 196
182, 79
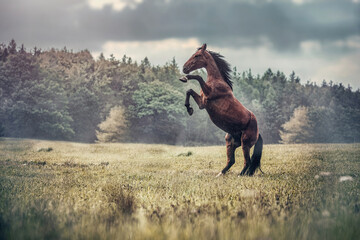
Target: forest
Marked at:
60, 94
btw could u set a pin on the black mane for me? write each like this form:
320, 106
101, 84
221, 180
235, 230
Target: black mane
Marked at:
224, 67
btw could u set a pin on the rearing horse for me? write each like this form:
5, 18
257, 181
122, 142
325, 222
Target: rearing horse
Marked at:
224, 109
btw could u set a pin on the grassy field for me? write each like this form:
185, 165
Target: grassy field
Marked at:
62, 190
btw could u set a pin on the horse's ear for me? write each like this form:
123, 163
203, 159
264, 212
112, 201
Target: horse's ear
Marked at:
203, 47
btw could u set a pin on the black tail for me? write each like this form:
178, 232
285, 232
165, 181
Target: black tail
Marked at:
256, 157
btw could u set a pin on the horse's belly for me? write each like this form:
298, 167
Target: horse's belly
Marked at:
226, 126
229, 124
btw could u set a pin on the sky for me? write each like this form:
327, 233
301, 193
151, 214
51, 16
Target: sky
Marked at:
318, 39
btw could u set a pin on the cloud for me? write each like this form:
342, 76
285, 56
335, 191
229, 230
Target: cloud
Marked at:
159, 52
41, 23
231, 22
352, 42
117, 5
300, 1
309, 47
317, 39
90, 23
345, 70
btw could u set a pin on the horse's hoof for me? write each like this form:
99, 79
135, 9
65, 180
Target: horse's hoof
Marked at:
250, 172
183, 79
219, 174
190, 111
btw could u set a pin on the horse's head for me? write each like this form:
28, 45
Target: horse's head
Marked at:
197, 60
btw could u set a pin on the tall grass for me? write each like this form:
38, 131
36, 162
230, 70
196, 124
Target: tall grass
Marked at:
136, 191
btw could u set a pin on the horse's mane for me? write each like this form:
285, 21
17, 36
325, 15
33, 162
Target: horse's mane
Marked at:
224, 67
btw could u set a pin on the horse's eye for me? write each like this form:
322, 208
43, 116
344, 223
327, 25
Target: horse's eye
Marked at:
197, 56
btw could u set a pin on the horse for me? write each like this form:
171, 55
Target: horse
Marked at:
225, 111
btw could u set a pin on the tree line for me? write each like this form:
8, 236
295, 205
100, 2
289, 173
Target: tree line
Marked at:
66, 95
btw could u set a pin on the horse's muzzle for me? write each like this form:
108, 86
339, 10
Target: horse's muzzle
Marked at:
186, 70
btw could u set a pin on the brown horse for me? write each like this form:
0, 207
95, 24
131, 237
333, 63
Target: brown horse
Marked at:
224, 109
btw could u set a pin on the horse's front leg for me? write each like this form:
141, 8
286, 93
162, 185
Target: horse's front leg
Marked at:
204, 87
196, 97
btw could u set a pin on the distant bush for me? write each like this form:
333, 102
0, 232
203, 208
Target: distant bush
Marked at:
49, 149
187, 154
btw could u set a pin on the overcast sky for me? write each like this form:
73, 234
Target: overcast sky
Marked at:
318, 39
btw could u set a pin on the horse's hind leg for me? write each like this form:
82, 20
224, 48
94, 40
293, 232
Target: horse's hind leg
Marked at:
246, 152
231, 146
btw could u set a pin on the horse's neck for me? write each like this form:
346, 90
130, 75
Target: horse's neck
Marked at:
212, 71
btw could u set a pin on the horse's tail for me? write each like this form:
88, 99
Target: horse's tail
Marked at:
256, 157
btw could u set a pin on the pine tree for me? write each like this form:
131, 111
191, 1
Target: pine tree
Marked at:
12, 47
84, 108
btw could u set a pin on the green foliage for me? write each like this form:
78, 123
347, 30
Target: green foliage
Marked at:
84, 108
322, 122
33, 104
157, 112
332, 109
61, 94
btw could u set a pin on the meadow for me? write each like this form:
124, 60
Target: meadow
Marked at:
66, 190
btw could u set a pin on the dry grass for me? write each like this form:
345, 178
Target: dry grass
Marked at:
137, 191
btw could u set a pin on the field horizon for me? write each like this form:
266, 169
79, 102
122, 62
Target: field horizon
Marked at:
61, 190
